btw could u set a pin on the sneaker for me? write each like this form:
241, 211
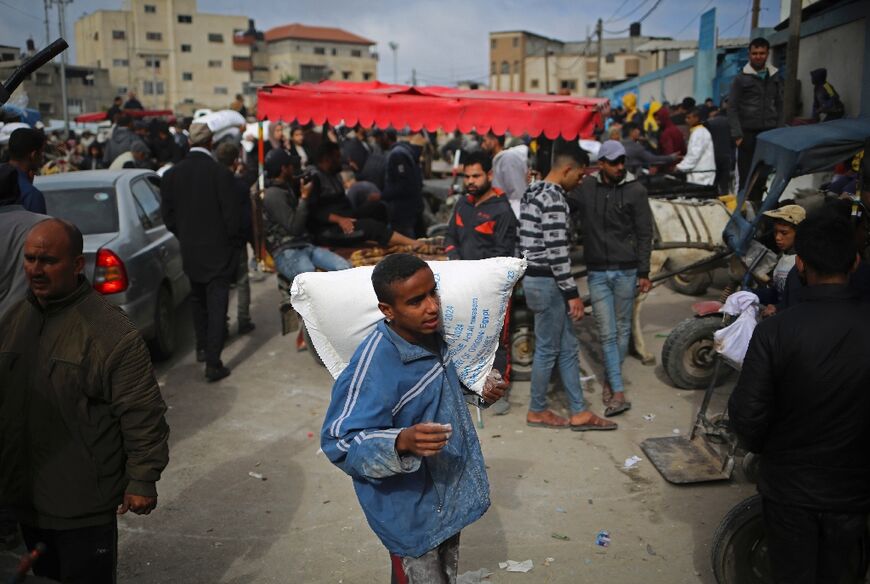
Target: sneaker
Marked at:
501, 407
200, 355
246, 327
213, 374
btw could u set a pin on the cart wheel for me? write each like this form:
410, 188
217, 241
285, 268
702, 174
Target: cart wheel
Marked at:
522, 344
688, 354
691, 284
311, 350
740, 546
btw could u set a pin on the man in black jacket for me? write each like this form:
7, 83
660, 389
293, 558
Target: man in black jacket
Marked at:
802, 403
200, 207
754, 104
617, 236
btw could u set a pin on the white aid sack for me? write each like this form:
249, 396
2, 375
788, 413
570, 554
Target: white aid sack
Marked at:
732, 342
340, 309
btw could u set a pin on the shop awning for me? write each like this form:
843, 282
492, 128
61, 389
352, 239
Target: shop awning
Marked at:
100, 116
401, 106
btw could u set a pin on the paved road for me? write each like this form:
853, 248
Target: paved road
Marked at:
215, 523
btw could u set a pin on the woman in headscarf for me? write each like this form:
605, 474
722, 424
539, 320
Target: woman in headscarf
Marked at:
629, 102
650, 125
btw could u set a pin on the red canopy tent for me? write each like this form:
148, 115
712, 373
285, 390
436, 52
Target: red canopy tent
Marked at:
401, 106
100, 116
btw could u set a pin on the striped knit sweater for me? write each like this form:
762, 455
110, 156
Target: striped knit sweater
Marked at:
544, 235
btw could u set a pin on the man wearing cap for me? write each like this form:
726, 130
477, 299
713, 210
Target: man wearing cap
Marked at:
617, 235
200, 207
785, 222
25, 154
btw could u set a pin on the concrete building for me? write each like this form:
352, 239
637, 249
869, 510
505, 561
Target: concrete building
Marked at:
88, 88
171, 55
297, 52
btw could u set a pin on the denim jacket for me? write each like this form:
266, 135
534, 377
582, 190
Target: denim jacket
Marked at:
413, 504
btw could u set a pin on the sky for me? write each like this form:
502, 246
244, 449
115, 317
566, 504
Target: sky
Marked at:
443, 40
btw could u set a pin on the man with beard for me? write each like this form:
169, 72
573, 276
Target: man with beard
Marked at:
483, 225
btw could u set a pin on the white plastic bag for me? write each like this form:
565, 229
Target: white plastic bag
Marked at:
340, 309
732, 342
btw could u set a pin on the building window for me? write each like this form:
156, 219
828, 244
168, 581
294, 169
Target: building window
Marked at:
346, 75
122, 90
75, 106
215, 37
119, 35
153, 36
505, 68
516, 66
215, 64
610, 58
334, 52
88, 79
356, 53
120, 63
43, 79
534, 83
220, 91
312, 73
45, 108
152, 87
186, 48
569, 84
97, 36
185, 19
152, 63
367, 76
150, 9
188, 100
516, 42
319, 51
492, 43
187, 76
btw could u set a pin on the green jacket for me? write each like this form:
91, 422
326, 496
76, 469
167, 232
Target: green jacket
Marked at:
81, 416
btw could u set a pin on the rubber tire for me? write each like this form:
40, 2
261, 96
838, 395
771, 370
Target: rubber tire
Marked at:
311, 350
691, 284
522, 324
678, 343
742, 527
163, 343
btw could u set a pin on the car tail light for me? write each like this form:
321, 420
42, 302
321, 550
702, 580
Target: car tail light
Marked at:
110, 276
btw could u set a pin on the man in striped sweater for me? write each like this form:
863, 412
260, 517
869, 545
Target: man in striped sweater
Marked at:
551, 293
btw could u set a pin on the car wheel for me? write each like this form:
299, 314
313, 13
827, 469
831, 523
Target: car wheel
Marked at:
163, 343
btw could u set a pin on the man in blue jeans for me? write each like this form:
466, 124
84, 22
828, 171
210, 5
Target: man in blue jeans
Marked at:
285, 215
551, 293
617, 238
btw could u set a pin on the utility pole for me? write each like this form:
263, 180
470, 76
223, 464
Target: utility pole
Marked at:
756, 9
791, 62
547, 67
61, 16
394, 46
413, 77
599, 30
47, 30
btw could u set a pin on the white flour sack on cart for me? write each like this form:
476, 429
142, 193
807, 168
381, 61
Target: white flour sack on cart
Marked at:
340, 309
732, 341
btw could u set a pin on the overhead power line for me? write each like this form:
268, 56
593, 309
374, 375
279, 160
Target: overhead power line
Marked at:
742, 19
694, 18
641, 19
630, 12
612, 17
16, 9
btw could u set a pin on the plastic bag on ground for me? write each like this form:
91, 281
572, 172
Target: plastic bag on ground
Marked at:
340, 309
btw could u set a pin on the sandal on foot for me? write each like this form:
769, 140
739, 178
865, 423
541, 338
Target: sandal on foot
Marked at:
617, 407
606, 395
595, 424
548, 420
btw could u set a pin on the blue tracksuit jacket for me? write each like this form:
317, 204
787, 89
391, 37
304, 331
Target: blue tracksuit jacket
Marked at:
413, 504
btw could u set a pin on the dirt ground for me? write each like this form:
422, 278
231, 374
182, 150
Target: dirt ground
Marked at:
552, 491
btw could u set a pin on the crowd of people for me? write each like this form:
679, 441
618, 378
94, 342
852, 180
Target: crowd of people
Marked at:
340, 187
